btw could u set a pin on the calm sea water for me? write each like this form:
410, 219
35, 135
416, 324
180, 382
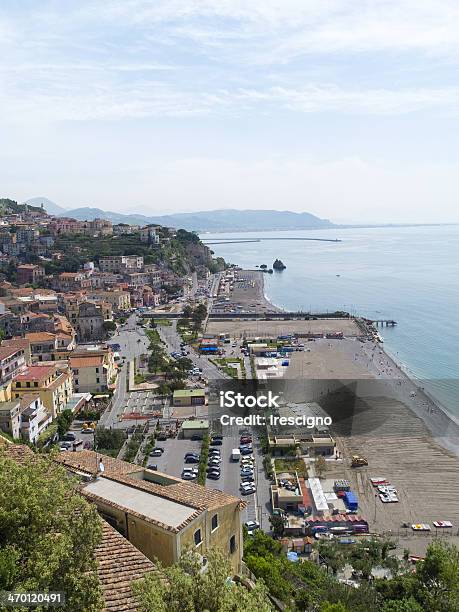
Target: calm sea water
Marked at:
407, 274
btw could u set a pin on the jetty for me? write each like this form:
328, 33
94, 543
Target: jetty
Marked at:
383, 322
259, 239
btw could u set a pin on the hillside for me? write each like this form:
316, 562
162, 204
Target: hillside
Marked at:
214, 221
8, 206
51, 207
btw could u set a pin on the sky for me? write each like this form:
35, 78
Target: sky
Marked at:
345, 109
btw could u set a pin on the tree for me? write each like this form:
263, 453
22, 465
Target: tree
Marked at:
402, 605
48, 533
184, 587
277, 524
64, 420
438, 576
109, 326
320, 466
187, 312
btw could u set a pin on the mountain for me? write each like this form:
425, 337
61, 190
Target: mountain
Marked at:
87, 214
51, 207
227, 220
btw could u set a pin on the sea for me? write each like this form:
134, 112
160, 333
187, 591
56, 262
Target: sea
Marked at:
407, 274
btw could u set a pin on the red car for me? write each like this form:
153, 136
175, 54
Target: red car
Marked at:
246, 440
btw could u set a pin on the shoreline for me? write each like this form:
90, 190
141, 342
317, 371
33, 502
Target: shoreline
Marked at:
441, 424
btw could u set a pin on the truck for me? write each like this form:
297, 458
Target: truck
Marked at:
235, 454
359, 461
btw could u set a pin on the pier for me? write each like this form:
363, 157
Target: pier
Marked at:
259, 239
384, 322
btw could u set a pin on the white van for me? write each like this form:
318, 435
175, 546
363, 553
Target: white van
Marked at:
235, 454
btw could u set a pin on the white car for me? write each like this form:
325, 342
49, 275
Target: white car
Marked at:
251, 527
247, 488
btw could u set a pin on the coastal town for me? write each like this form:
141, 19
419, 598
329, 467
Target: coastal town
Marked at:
118, 342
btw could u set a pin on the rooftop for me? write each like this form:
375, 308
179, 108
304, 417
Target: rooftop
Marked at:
156, 483
86, 362
36, 372
165, 511
195, 424
119, 565
189, 393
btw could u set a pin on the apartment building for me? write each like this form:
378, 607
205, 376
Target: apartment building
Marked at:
160, 515
34, 418
53, 385
29, 274
118, 264
45, 346
12, 361
149, 234
119, 300
93, 371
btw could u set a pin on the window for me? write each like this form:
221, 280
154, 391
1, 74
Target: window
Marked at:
232, 544
97, 370
98, 380
18, 384
214, 522
197, 537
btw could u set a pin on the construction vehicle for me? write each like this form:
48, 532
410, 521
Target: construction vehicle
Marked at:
358, 461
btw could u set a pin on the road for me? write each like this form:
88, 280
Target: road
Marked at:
133, 342
170, 336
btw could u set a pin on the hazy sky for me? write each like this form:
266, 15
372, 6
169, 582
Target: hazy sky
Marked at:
346, 109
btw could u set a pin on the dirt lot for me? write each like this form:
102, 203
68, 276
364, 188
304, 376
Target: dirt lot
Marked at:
272, 329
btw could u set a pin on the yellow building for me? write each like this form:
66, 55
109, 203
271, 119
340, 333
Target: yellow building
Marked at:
118, 300
93, 371
55, 386
160, 515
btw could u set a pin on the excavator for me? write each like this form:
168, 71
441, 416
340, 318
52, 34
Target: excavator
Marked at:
358, 461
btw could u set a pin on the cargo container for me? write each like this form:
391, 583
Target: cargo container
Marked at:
350, 499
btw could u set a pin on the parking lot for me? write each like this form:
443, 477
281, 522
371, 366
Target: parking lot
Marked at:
172, 460
258, 504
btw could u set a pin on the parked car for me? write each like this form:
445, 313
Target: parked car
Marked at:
156, 452
252, 526
152, 466
245, 440
65, 446
69, 437
191, 454
212, 468
246, 451
191, 459
189, 476
213, 475
247, 478
216, 442
247, 488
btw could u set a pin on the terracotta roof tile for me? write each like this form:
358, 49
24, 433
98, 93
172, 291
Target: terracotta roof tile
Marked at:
186, 493
86, 362
119, 565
